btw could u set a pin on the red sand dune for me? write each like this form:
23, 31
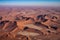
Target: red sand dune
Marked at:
19, 23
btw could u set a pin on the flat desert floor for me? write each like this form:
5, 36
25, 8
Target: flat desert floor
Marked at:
29, 23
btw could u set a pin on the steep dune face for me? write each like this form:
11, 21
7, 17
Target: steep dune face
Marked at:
29, 24
22, 23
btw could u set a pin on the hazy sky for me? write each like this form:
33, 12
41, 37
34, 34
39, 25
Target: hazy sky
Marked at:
55, 3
